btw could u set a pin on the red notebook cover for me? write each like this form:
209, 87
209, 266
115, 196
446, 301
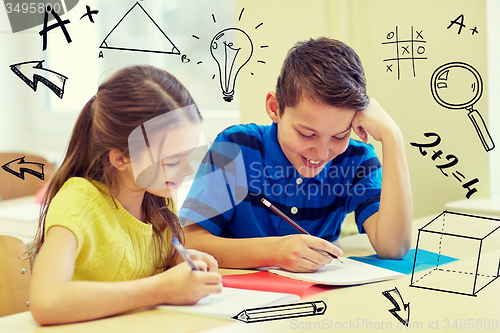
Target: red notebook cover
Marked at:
265, 281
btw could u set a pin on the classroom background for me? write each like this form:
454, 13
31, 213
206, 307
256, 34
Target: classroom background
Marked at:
402, 44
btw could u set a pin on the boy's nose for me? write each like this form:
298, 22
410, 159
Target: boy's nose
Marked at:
321, 151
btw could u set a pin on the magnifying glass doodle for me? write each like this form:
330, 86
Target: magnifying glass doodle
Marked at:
456, 86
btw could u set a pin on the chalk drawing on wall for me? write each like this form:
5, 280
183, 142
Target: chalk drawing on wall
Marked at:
231, 49
40, 74
89, 13
230, 57
459, 21
60, 24
407, 50
136, 15
446, 167
19, 167
458, 86
461, 236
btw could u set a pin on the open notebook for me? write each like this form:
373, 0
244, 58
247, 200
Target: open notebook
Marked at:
231, 301
350, 272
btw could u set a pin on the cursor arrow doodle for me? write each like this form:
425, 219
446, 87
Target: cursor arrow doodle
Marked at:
400, 308
23, 167
39, 76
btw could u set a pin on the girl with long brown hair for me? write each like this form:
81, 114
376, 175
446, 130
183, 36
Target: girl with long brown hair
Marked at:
103, 243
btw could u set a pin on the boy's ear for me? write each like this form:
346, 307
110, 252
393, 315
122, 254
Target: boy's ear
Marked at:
118, 159
272, 106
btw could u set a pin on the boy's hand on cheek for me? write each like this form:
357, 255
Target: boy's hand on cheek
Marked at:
373, 120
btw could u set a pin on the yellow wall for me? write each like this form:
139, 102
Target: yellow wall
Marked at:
364, 25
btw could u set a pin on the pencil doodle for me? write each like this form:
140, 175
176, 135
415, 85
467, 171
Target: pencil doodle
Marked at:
460, 22
224, 51
19, 167
231, 56
457, 86
39, 76
400, 307
89, 13
277, 312
405, 49
60, 24
452, 161
137, 15
450, 233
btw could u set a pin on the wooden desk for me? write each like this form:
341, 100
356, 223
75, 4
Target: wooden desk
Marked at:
361, 308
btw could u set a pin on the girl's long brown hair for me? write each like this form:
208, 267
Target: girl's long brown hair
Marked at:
126, 100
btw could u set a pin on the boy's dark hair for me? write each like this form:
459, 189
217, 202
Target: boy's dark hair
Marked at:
325, 70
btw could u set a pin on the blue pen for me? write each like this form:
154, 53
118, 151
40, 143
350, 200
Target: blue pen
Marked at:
184, 254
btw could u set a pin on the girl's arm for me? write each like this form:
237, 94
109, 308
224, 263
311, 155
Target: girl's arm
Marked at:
389, 230
56, 299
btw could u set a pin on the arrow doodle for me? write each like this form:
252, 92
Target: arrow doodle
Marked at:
394, 296
22, 169
38, 66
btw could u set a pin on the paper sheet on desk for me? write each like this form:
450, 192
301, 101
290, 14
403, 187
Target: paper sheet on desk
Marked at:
27, 211
231, 301
351, 272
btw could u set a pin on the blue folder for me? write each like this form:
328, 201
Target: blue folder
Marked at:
425, 260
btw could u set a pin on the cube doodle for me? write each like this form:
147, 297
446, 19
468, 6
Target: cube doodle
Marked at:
460, 236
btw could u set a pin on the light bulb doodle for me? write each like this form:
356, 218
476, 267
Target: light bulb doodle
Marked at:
457, 86
229, 58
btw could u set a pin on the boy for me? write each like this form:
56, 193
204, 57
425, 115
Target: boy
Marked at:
308, 167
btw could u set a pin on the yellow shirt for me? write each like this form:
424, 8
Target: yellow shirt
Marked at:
112, 244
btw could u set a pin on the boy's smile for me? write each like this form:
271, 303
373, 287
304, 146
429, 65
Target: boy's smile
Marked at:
312, 134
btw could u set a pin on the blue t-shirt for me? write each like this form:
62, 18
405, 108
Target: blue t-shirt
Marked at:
246, 164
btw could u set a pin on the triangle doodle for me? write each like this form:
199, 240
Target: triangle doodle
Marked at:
107, 44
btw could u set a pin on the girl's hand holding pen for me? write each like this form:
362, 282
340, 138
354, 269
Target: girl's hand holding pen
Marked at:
298, 253
208, 262
181, 285
193, 277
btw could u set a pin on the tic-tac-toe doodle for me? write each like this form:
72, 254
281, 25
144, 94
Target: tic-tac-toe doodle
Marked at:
406, 49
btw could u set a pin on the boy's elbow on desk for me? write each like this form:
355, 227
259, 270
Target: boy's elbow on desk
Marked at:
394, 251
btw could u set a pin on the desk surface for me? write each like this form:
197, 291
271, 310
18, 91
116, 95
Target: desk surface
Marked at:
361, 307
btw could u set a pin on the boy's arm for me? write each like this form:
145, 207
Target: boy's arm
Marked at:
389, 230
293, 252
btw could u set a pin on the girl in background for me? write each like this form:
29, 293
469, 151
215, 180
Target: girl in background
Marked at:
103, 244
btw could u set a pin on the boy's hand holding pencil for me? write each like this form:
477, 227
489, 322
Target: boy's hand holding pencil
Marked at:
299, 253
303, 253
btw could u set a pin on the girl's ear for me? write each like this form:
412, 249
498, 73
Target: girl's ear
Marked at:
272, 106
118, 159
